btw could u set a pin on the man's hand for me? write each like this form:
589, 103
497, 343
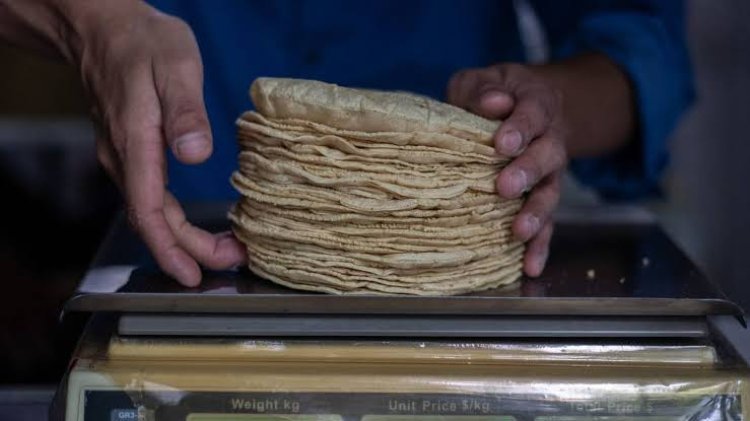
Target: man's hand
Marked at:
582, 107
144, 74
533, 132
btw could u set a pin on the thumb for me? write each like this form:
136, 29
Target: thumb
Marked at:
184, 119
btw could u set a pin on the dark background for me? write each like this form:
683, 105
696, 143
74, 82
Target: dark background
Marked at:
56, 203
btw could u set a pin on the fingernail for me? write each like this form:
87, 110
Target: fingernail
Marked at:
532, 225
518, 182
510, 143
192, 144
492, 96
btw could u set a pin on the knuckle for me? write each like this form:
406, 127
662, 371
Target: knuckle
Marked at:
506, 70
522, 123
541, 103
500, 72
513, 75
486, 74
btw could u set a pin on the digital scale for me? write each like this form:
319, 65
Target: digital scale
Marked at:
621, 326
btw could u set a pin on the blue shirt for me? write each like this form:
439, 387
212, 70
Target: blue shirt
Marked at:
417, 45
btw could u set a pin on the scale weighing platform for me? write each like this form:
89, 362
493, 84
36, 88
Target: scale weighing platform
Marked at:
621, 326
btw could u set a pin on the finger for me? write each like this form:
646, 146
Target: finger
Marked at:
463, 87
478, 91
145, 192
215, 251
537, 251
493, 103
532, 116
540, 159
538, 208
180, 88
143, 163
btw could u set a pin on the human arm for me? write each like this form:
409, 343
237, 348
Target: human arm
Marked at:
646, 40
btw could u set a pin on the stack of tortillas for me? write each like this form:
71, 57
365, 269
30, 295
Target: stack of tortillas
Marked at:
357, 191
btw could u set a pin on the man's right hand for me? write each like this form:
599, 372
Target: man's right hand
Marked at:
143, 72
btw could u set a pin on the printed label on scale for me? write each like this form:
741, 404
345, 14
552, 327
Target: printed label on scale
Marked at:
237, 406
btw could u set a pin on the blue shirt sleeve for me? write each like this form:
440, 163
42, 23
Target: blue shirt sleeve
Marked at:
646, 39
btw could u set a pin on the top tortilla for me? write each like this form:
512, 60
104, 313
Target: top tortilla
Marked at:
365, 110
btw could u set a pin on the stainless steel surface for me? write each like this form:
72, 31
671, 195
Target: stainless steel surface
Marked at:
609, 266
411, 326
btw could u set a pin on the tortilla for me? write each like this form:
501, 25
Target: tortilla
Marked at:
364, 110
351, 191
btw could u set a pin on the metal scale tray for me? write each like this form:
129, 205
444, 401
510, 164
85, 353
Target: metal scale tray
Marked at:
612, 273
